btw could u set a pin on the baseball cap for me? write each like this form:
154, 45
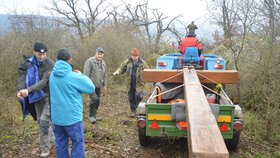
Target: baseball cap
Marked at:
99, 49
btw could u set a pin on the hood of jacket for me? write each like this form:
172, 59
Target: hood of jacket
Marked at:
61, 68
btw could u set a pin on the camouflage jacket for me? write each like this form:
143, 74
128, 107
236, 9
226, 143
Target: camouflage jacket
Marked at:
126, 68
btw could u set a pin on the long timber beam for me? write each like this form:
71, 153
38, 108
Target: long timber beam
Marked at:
205, 76
204, 137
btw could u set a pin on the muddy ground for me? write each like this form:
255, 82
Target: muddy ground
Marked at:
114, 136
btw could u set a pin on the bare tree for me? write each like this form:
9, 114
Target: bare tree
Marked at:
139, 15
85, 21
269, 78
236, 17
92, 21
178, 35
70, 15
146, 22
269, 10
114, 13
176, 30
159, 18
246, 17
224, 14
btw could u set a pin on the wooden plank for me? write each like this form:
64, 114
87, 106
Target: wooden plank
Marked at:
224, 77
152, 75
204, 137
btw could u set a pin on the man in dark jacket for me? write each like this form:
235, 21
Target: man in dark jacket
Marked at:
33, 84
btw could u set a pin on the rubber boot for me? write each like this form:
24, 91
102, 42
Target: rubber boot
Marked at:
92, 116
97, 118
133, 113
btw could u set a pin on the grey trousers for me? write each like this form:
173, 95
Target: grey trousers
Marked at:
43, 117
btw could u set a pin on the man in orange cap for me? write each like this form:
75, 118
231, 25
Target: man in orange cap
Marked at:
133, 67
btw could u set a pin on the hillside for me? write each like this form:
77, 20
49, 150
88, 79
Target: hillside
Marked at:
4, 23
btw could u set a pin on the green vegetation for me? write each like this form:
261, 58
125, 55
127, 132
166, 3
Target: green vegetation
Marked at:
254, 51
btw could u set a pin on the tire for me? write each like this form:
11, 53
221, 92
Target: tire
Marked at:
233, 143
143, 139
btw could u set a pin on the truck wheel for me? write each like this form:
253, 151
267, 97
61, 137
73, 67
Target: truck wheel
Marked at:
233, 143
143, 139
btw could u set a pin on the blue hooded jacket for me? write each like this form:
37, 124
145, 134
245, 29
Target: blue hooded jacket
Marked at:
66, 88
32, 77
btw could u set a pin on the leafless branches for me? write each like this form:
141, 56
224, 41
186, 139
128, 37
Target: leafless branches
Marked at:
71, 13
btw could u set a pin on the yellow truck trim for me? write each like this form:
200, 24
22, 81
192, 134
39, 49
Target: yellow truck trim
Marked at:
160, 117
223, 118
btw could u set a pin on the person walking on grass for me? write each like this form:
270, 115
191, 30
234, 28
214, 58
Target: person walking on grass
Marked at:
66, 89
95, 69
133, 68
33, 89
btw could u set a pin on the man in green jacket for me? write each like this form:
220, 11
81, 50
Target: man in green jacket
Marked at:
95, 69
133, 68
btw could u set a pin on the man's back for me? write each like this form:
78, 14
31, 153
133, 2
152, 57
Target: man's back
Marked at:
66, 88
189, 42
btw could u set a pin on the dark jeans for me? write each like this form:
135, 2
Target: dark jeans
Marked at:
134, 98
95, 100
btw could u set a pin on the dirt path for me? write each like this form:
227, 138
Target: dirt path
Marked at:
114, 136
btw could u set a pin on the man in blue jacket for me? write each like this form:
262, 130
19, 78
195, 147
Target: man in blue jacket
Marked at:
33, 89
66, 89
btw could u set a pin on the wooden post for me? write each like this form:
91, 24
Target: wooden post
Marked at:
204, 137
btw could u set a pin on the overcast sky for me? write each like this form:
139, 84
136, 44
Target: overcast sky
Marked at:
192, 10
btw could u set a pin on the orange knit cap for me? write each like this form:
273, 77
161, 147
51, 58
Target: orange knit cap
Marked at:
135, 52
